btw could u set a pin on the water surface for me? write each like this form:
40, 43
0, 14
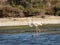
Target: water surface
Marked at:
30, 39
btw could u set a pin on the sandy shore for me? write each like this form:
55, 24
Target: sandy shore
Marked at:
27, 21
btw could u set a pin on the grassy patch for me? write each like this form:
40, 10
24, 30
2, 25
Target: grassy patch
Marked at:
26, 28
50, 26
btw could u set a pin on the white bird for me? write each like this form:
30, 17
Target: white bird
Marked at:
31, 23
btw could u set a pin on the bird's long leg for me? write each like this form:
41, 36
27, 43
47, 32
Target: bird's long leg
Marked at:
37, 29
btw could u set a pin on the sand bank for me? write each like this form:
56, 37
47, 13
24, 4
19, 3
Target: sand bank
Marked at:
27, 21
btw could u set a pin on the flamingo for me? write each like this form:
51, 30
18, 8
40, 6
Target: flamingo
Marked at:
31, 24
36, 26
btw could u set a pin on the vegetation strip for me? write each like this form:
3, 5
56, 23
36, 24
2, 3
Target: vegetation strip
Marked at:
26, 28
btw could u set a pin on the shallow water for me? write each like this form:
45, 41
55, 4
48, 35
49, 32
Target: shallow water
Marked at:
30, 39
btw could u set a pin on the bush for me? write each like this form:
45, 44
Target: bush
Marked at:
56, 9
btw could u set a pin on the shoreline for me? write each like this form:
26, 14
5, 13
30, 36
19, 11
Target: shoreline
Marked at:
18, 32
27, 29
13, 25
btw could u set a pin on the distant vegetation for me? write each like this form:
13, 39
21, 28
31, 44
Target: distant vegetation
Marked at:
28, 8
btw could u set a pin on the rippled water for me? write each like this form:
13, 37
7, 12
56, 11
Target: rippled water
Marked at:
30, 39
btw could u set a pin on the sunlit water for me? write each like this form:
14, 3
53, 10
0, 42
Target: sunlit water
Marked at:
30, 39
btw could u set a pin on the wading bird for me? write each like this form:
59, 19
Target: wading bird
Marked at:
36, 25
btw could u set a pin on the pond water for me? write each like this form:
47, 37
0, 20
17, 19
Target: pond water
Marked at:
30, 39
